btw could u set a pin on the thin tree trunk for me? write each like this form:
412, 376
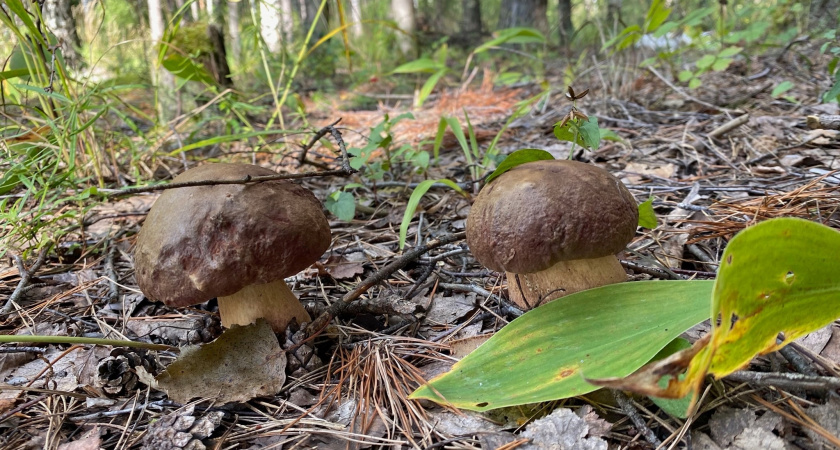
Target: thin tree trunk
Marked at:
523, 13
565, 21
403, 12
59, 19
164, 81
233, 31
270, 25
471, 20
356, 17
287, 22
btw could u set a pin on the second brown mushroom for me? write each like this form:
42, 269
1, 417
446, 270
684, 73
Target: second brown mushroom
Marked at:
554, 227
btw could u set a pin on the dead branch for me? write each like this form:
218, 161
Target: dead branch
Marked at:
337, 308
25, 277
345, 170
823, 122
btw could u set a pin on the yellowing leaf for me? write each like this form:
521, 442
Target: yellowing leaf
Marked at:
780, 276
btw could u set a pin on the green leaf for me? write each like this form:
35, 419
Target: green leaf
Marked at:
590, 133
441, 131
342, 205
570, 132
781, 88
455, 126
414, 201
429, 85
685, 75
512, 36
721, 64
610, 135
665, 29
419, 65
516, 158
185, 68
778, 276
705, 62
729, 52
833, 94
656, 15
647, 217
15, 73
543, 355
694, 83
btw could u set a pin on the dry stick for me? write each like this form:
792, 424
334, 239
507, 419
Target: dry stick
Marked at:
25, 276
321, 133
631, 412
786, 381
729, 126
345, 170
689, 97
378, 277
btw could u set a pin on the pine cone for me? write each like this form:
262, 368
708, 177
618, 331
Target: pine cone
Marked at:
116, 375
181, 430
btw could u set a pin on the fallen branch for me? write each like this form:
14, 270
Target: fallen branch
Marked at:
823, 122
345, 170
25, 277
337, 308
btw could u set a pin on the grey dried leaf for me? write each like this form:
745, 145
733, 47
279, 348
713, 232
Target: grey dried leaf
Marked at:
828, 416
561, 430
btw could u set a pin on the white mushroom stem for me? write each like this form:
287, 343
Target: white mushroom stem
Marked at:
273, 302
529, 290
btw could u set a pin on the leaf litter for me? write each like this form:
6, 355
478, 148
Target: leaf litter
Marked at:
703, 193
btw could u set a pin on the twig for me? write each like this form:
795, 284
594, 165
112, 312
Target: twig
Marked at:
689, 97
729, 126
411, 255
652, 271
25, 276
504, 307
631, 412
345, 170
104, 414
786, 381
318, 135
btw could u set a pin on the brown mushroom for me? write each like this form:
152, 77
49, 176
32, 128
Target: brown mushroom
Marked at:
236, 242
554, 227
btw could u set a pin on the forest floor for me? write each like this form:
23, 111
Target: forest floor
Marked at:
347, 387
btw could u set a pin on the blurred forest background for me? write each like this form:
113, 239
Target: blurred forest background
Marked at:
103, 94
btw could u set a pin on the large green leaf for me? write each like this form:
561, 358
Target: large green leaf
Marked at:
604, 332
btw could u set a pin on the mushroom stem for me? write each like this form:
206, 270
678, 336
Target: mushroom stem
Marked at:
273, 302
529, 290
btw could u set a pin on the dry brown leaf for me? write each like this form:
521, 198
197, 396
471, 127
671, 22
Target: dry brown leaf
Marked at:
243, 363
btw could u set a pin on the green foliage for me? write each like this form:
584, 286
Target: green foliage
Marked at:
779, 276
414, 201
647, 217
833, 48
545, 354
516, 158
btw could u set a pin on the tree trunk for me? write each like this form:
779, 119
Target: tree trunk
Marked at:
59, 19
164, 81
287, 22
524, 13
217, 61
233, 31
565, 21
215, 12
356, 17
403, 12
270, 18
471, 20
309, 14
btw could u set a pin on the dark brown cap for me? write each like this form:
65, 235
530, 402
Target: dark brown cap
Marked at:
543, 212
209, 241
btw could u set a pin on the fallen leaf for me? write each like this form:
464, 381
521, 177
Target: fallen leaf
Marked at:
828, 417
561, 430
89, 441
243, 363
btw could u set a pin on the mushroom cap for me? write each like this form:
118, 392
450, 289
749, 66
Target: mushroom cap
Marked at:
210, 241
543, 212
